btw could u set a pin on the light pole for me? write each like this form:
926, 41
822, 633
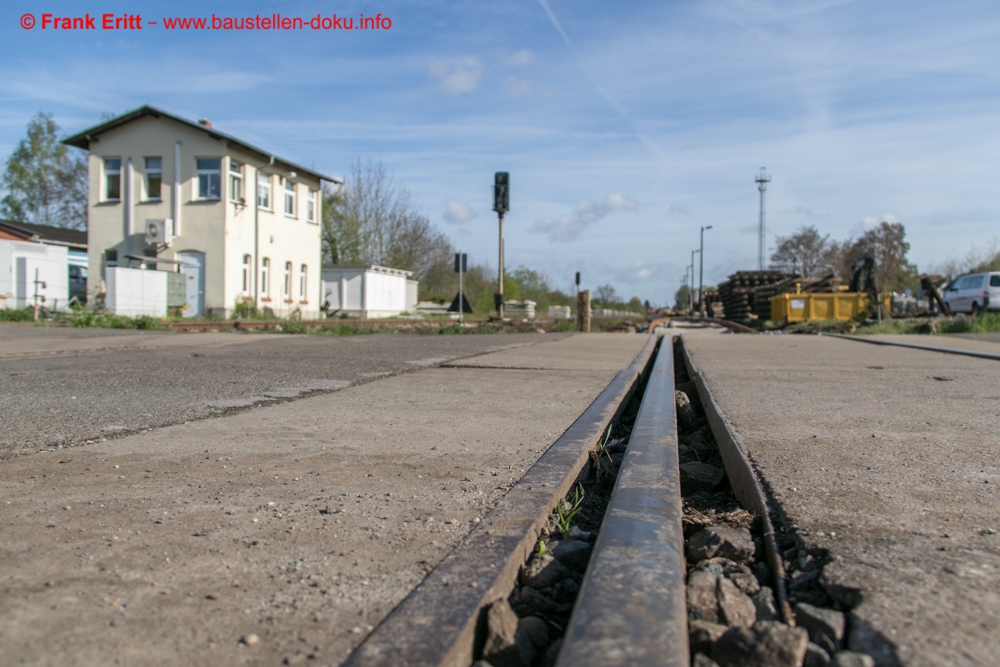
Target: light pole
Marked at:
762, 182
687, 270
691, 293
701, 270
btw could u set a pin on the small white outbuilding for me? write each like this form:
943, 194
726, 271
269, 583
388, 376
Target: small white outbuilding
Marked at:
367, 291
29, 270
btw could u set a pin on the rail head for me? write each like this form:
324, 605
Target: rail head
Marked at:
631, 607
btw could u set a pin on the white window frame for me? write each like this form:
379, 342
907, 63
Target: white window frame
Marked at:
265, 278
264, 199
158, 172
204, 171
287, 287
290, 202
108, 173
303, 275
310, 205
247, 277
236, 181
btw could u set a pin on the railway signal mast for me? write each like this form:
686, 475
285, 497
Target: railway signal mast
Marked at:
762, 180
501, 204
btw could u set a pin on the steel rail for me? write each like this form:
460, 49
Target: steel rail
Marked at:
742, 478
916, 346
631, 609
439, 622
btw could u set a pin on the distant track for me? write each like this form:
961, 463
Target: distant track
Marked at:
915, 346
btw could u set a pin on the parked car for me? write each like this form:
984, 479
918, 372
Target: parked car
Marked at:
78, 283
973, 293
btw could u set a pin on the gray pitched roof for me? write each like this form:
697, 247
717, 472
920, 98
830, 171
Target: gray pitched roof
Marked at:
45, 233
83, 139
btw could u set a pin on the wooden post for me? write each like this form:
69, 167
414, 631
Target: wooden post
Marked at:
583, 311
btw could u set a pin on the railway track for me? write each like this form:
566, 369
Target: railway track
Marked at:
916, 346
630, 603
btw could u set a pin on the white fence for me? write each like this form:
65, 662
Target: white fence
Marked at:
135, 292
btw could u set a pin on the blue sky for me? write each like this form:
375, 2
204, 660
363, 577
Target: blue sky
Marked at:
625, 126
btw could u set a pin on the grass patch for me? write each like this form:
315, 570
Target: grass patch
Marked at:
985, 323
897, 327
822, 326
105, 320
17, 314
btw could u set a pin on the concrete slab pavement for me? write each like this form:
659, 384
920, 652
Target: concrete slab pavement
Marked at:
279, 533
887, 461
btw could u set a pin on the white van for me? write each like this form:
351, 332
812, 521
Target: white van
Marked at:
973, 293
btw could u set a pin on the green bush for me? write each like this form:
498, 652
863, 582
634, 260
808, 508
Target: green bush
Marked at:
105, 320
986, 323
17, 314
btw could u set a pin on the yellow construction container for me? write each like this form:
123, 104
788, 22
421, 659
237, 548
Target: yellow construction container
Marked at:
818, 306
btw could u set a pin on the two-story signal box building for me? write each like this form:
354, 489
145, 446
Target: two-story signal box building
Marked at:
170, 194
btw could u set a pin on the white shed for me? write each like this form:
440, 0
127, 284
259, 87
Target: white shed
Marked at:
367, 290
27, 269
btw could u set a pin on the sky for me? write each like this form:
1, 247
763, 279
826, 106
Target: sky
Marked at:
626, 127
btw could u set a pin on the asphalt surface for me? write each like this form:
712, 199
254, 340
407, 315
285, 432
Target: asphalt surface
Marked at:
282, 533
887, 460
66, 387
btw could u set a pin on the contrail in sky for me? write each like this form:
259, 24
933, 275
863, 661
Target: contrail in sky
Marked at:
608, 97
555, 22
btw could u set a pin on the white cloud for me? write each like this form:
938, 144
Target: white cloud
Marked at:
458, 212
520, 58
804, 211
457, 75
518, 86
567, 228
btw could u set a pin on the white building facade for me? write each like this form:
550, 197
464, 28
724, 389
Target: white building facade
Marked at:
169, 194
368, 290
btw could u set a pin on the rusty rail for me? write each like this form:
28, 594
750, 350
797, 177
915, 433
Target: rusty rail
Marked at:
916, 346
631, 607
436, 624
744, 481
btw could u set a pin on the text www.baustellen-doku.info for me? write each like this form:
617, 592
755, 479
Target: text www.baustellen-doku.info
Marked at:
256, 22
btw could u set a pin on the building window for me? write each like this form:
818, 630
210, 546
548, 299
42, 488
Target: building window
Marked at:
209, 172
289, 198
235, 181
302, 283
112, 179
311, 206
265, 278
264, 190
247, 280
287, 289
154, 178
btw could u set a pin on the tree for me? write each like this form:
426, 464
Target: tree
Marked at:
606, 294
805, 253
43, 182
370, 219
682, 298
888, 243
